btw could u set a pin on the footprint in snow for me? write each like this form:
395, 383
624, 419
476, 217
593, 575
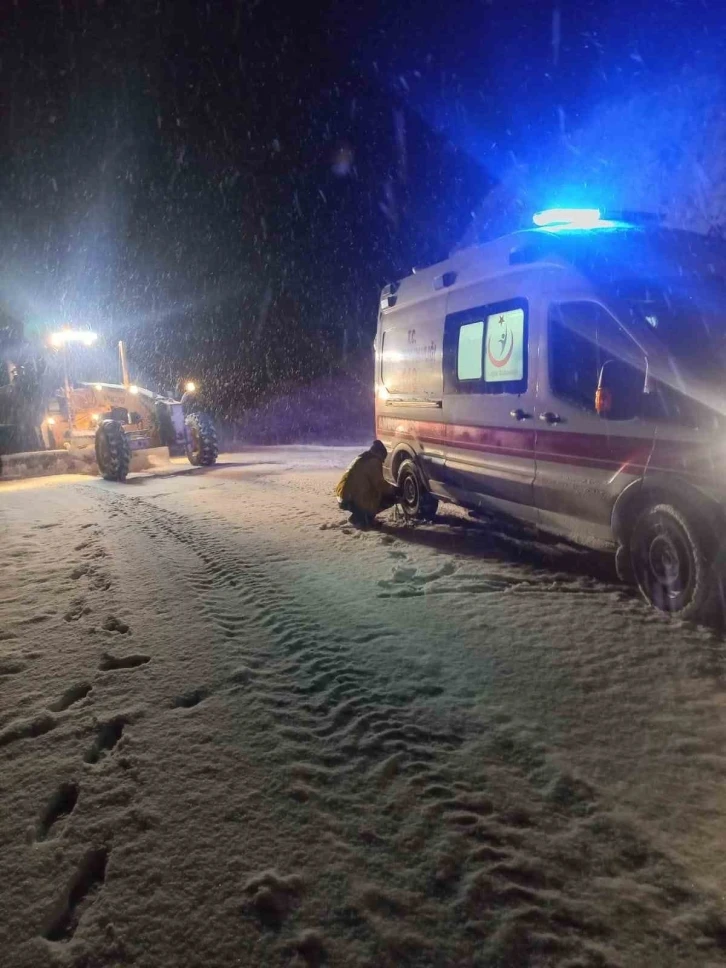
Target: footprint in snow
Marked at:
411, 575
76, 610
61, 804
70, 697
27, 729
190, 698
107, 736
79, 894
272, 897
310, 946
112, 662
10, 667
113, 624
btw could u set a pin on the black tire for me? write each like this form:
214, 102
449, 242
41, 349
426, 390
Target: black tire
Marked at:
624, 565
415, 498
671, 562
202, 449
113, 454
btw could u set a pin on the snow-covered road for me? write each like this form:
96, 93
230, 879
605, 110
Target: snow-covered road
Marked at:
235, 732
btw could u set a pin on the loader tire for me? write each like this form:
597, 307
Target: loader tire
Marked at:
113, 454
202, 449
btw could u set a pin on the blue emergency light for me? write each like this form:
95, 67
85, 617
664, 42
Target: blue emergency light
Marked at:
574, 219
571, 218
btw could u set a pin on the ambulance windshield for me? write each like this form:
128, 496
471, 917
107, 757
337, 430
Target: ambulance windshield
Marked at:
671, 282
686, 315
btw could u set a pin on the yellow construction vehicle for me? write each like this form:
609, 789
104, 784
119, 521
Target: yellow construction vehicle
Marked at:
120, 420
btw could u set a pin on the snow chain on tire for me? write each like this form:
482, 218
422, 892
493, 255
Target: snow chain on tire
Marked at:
113, 454
415, 499
202, 449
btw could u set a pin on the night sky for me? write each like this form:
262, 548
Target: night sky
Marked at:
227, 185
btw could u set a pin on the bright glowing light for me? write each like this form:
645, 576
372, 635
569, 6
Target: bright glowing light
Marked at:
96, 417
65, 336
602, 223
574, 218
99, 387
133, 389
50, 421
190, 387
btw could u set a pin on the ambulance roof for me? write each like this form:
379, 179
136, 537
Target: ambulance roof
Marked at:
618, 251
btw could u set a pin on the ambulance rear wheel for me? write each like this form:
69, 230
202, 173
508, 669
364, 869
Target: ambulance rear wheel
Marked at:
416, 500
671, 562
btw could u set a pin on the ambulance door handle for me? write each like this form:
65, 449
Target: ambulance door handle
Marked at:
520, 414
549, 417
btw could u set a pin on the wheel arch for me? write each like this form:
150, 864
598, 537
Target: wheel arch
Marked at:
702, 510
401, 453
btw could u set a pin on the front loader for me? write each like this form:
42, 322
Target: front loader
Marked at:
121, 421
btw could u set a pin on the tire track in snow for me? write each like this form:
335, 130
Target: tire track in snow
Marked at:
450, 843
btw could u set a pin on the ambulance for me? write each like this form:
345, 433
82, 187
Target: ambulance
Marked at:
572, 376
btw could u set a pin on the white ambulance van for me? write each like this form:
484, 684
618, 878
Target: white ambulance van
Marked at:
572, 376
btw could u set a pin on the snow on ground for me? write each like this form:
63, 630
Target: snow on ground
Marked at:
233, 731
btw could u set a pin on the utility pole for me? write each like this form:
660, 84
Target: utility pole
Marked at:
69, 395
124, 364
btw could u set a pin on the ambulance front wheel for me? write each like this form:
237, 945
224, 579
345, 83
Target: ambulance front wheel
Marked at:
416, 499
671, 562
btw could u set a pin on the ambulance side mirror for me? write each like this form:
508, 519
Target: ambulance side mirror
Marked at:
619, 391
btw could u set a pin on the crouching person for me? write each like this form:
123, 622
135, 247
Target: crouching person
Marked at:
363, 490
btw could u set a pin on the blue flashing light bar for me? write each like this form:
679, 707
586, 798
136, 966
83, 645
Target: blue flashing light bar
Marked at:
570, 218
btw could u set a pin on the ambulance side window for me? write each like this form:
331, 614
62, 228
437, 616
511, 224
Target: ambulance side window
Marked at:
486, 349
582, 337
574, 361
470, 351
